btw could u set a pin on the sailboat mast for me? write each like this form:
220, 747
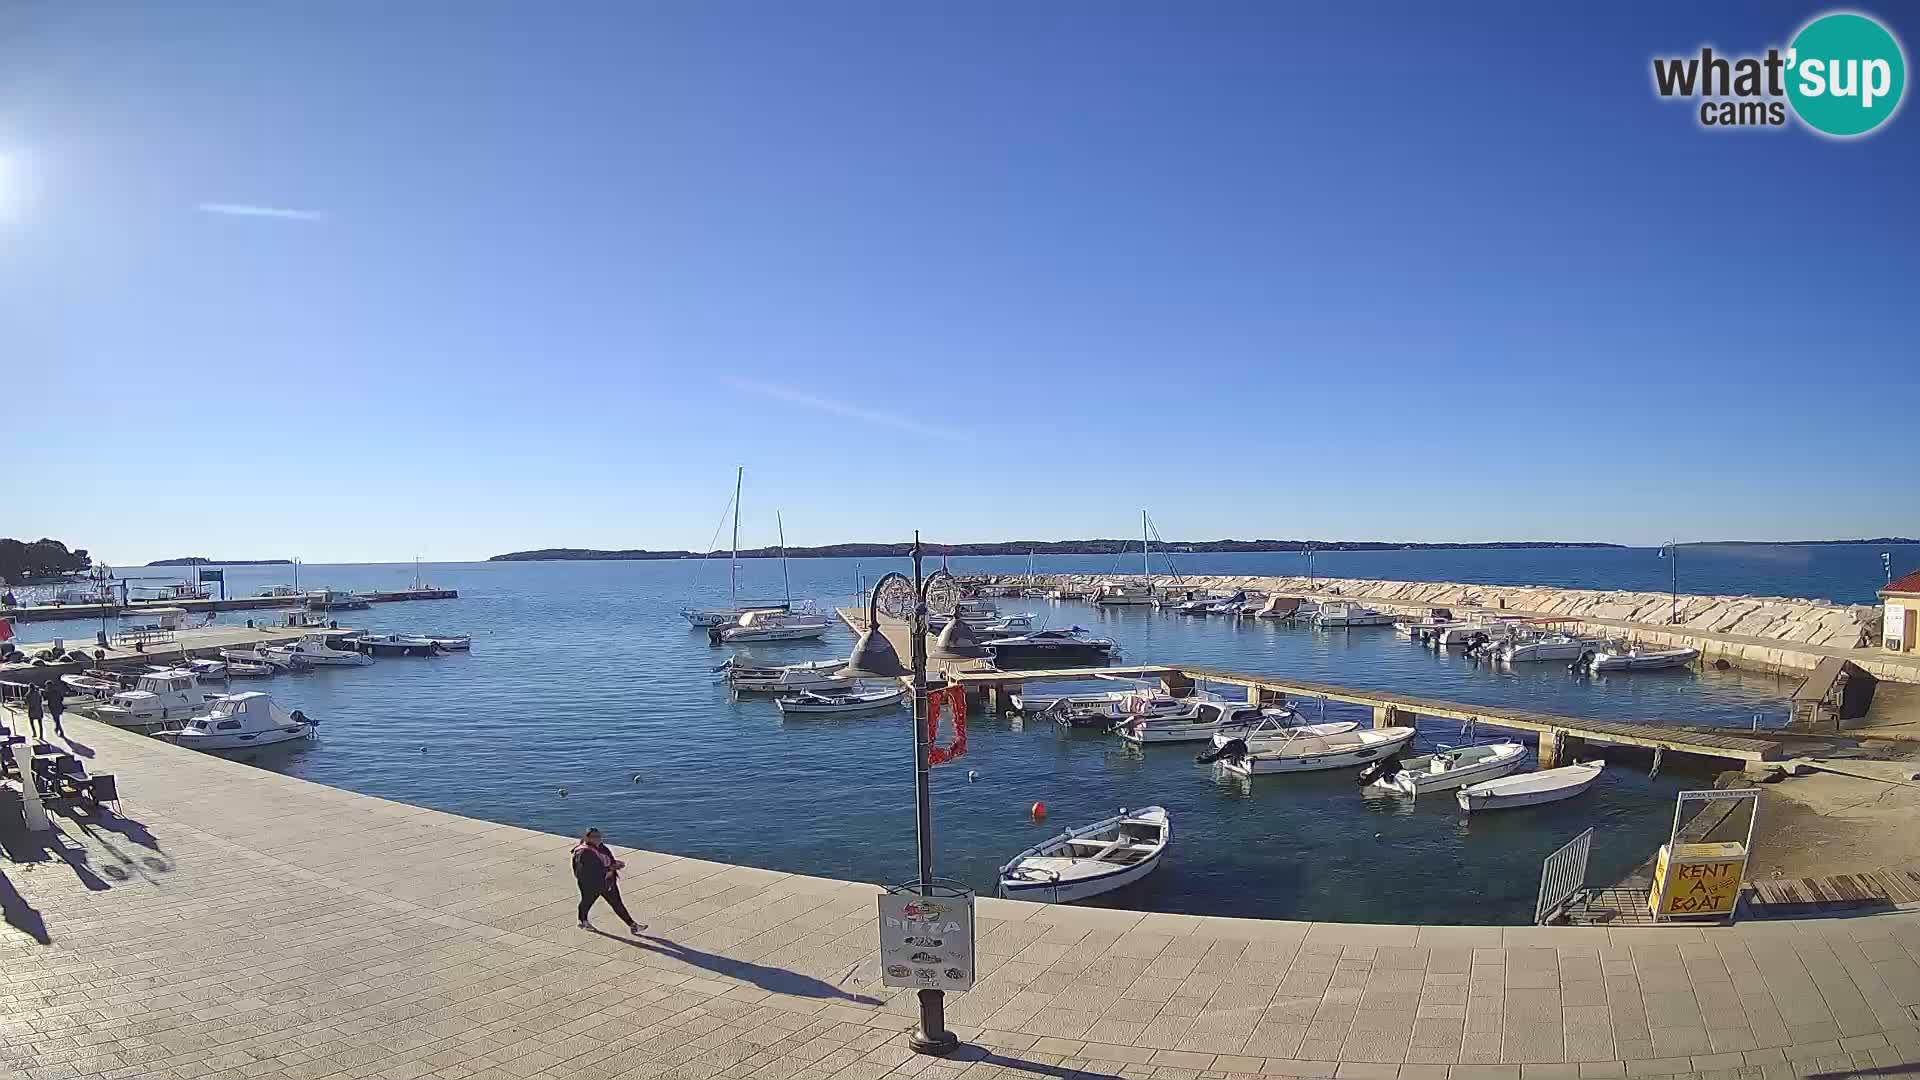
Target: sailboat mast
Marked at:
786, 582
733, 560
1144, 570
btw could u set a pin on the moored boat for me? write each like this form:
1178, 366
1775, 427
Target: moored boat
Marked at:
1091, 860
451, 642
1635, 658
241, 722
393, 645
1530, 789
1445, 769
317, 650
1073, 644
853, 701
764, 625
156, 697
1196, 720
1353, 748
786, 678
1274, 728
1339, 614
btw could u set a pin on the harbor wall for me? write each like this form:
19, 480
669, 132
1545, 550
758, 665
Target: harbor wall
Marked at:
1788, 635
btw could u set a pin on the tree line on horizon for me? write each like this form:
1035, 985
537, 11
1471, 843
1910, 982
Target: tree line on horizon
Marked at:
21, 560
1026, 547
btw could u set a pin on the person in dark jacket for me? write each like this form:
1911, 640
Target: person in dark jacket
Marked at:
56, 696
34, 711
598, 874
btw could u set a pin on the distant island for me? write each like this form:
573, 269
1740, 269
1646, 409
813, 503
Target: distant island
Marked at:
196, 560
1027, 547
1889, 540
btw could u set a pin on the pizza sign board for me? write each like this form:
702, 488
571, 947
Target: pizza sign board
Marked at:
926, 942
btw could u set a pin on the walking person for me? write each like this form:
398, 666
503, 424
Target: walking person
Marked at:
35, 709
598, 873
56, 696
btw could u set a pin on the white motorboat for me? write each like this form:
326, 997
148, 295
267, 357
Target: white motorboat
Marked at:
1445, 769
157, 696
1541, 647
1530, 789
256, 657
1636, 658
335, 600
246, 669
214, 670
318, 651
393, 645
241, 722
451, 642
92, 685
819, 675
1478, 627
1091, 860
1418, 630
1275, 728
1278, 607
1338, 614
854, 701
1342, 751
1123, 594
770, 626
1196, 722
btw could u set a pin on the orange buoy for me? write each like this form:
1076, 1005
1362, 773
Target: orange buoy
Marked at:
1039, 810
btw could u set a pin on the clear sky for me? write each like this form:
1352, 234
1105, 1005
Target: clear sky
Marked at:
360, 281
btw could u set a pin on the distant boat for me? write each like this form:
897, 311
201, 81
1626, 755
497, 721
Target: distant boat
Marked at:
708, 618
1339, 614
774, 625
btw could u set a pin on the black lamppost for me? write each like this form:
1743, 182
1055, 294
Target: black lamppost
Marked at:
874, 657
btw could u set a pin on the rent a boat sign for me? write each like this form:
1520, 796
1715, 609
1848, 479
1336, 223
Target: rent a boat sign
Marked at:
926, 941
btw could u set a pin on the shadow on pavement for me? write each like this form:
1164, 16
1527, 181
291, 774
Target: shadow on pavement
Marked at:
771, 979
21, 915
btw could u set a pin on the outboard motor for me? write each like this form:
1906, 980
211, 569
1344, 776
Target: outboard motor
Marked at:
1386, 766
713, 635
1584, 664
1234, 750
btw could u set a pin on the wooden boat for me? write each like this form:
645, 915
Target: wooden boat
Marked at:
1445, 769
855, 701
1530, 789
1349, 750
1091, 860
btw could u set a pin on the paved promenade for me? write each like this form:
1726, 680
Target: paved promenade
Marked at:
238, 923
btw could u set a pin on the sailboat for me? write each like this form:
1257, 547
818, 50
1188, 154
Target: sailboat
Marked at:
1126, 594
781, 623
727, 616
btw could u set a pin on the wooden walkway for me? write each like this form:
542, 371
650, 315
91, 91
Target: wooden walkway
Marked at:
1836, 892
1565, 732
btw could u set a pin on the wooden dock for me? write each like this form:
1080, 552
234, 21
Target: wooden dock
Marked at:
184, 644
236, 603
1795, 897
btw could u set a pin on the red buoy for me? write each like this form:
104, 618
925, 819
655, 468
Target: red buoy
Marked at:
1039, 810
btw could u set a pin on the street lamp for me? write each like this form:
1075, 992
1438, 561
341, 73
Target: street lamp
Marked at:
874, 657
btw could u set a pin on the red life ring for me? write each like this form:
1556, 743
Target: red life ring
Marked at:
952, 699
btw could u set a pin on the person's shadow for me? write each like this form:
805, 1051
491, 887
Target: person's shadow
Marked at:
21, 915
771, 979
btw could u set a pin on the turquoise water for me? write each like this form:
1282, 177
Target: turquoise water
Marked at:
582, 677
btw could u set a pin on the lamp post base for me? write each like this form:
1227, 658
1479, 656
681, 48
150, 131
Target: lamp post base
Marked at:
931, 1036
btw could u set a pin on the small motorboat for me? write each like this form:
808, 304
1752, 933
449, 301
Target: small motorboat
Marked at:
336, 600
157, 696
214, 670
259, 657
1196, 719
1340, 614
98, 685
1530, 789
247, 669
1444, 770
1341, 751
451, 642
817, 675
394, 645
1634, 658
1050, 646
853, 701
1089, 861
1541, 647
1273, 728
318, 650
241, 722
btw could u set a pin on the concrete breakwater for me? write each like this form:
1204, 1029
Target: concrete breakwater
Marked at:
1765, 633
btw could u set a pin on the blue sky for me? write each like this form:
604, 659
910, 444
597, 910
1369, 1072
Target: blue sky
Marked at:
533, 277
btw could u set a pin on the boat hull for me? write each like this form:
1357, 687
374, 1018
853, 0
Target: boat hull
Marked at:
1067, 892
1342, 758
1476, 801
1410, 782
225, 743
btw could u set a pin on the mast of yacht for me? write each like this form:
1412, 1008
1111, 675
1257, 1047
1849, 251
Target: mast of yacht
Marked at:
733, 560
786, 582
1144, 570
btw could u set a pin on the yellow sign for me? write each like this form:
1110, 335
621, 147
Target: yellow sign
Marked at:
1703, 879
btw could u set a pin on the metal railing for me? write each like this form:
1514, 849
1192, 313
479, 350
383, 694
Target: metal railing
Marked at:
1562, 875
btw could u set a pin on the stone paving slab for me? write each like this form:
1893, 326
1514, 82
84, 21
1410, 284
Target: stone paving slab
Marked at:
239, 923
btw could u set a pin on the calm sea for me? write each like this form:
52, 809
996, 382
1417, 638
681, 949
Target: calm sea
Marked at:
587, 701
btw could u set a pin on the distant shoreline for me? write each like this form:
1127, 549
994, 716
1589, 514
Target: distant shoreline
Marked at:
1119, 547
195, 560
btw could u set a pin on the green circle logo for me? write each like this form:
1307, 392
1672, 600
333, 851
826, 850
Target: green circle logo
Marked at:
1845, 74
